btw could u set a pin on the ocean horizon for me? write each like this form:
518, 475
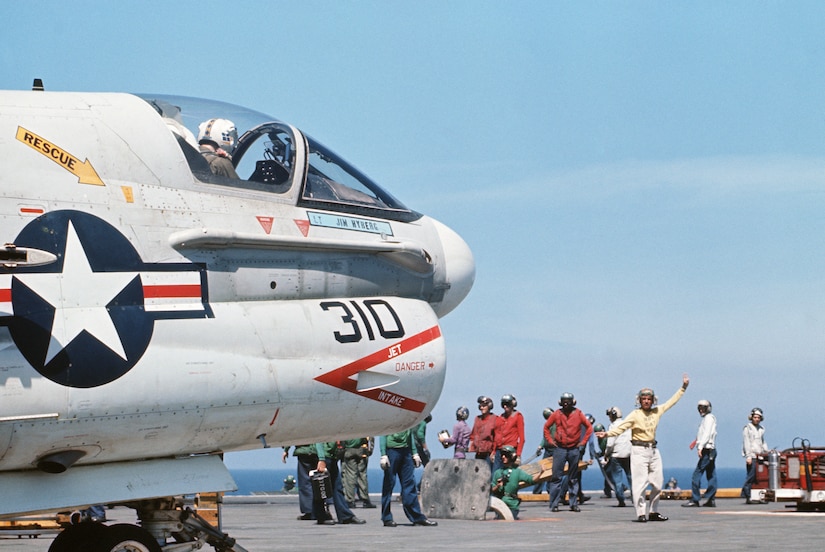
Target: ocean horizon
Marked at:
251, 481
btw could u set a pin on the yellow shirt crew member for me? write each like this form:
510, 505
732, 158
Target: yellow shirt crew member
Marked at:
645, 460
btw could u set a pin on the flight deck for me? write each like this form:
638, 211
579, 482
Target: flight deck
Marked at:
268, 523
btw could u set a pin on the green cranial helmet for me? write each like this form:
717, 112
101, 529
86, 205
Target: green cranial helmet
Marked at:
508, 451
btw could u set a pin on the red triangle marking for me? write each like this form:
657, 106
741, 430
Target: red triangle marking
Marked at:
303, 226
266, 222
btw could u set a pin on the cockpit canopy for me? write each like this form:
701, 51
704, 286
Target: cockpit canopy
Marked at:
274, 157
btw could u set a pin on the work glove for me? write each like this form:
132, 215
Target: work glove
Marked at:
417, 460
538, 450
385, 463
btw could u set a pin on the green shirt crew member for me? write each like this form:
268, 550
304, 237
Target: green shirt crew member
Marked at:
507, 480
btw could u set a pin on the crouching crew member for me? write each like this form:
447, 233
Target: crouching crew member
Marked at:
506, 480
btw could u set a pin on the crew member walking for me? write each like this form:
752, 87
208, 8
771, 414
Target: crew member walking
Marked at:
705, 444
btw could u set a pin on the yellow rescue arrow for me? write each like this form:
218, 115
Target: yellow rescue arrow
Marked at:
83, 170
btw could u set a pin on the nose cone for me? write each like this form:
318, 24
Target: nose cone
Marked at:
460, 269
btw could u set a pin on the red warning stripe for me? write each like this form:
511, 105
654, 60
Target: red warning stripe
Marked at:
168, 291
341, 377
149, 292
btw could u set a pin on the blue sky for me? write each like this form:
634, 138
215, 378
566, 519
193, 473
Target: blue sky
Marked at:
642, 183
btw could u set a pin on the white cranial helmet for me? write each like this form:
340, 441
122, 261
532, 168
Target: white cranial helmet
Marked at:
220, 131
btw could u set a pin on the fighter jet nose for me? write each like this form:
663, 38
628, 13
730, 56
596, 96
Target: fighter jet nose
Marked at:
460, 269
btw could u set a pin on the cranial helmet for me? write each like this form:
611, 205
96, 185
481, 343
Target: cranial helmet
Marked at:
567, 398
704, 405
598, 427
646, 392
483, 400
509, 451
546, 412
462, 413
614, 412
754, 412
219, 131
509, 400
590, 418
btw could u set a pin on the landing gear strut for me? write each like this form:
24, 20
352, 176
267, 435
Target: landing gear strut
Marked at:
165, 526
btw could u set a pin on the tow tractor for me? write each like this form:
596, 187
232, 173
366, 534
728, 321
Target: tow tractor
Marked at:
795, 475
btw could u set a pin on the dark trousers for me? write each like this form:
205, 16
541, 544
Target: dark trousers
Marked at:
750, 478
544, 485
401, 465
562, 456
306, 463
615, 468
706, 466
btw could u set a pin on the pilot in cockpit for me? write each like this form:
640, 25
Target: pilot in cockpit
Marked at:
217, 139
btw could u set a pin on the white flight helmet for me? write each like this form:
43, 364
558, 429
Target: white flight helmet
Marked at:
754, 412
219, 131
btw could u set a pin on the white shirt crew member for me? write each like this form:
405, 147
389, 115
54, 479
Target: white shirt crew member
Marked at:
619, 446
706, 437
753, 441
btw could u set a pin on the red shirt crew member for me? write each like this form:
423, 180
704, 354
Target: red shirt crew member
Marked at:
510, 426
482, 436
568, 441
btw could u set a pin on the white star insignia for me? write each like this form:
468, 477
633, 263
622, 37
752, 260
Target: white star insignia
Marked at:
79, 297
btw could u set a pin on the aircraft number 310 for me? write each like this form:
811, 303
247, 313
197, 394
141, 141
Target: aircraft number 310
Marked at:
381, 315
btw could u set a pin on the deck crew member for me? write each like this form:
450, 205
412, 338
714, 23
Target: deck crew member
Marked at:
645, 460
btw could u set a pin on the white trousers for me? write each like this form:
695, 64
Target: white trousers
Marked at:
646, 469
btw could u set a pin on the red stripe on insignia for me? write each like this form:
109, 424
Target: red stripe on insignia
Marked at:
169, 291
340, 377
5, 295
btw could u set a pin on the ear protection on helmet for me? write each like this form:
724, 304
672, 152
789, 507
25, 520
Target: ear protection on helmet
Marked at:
754, 412
567, 398
510, 400
646, 392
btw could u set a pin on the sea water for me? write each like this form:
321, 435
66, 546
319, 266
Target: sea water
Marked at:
272, 480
